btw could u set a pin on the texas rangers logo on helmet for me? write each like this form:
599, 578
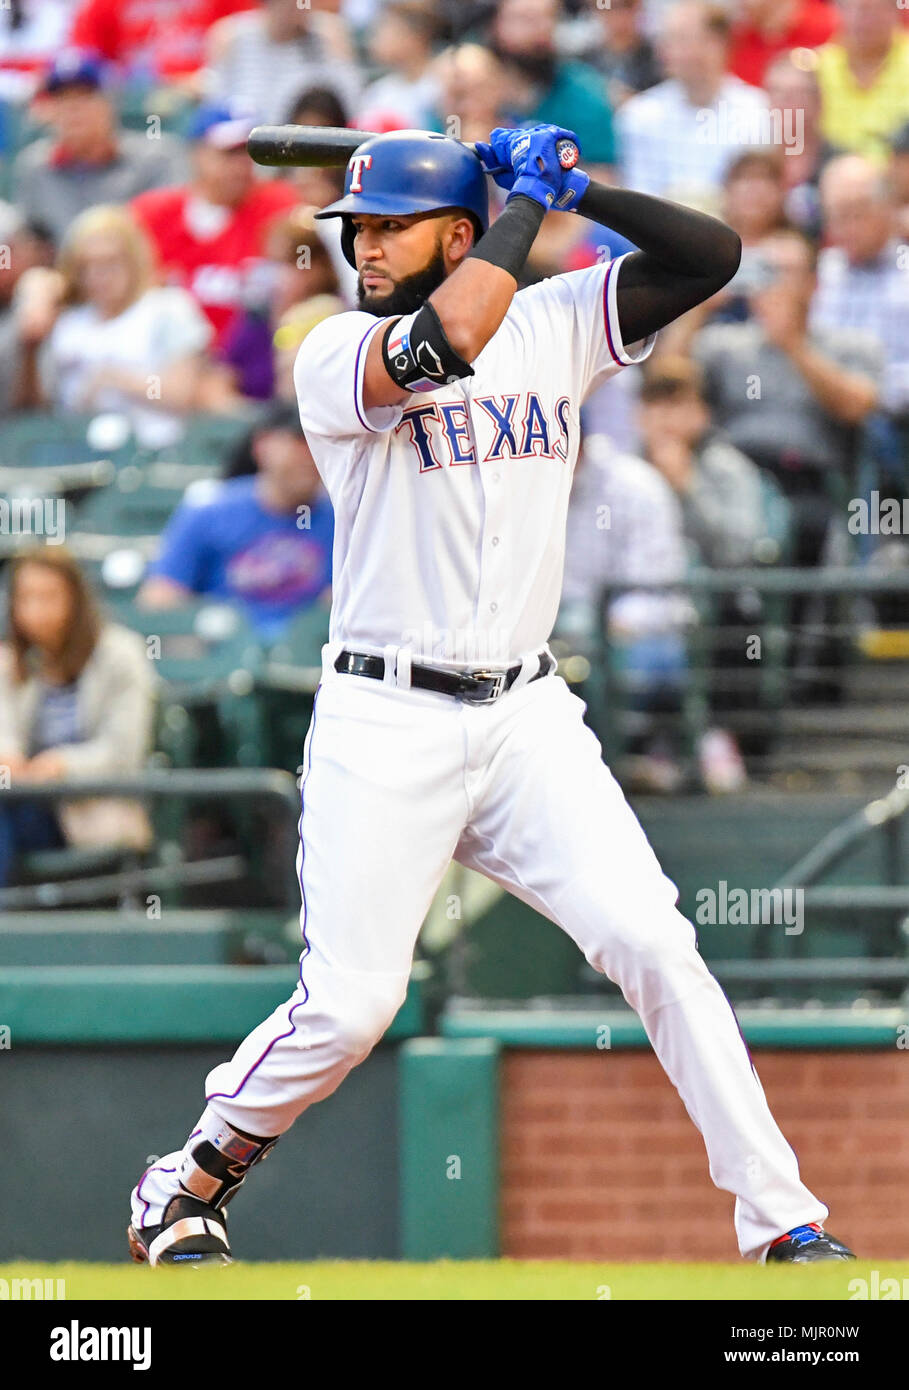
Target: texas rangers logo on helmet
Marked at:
358, 162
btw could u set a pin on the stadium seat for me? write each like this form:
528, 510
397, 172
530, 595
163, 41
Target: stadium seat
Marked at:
301, 645
286, 684
131, 506
209, 440
41, 438
207, 658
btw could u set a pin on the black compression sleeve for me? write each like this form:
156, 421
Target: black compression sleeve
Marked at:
684, 257
509, 239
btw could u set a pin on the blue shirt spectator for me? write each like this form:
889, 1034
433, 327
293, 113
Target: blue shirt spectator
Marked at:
262, 541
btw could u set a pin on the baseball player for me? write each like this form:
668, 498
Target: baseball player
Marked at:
443, 418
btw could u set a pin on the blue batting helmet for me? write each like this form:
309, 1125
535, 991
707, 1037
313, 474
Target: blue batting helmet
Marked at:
410, 171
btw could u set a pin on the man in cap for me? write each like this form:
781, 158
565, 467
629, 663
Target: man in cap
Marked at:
87, 159
209, 234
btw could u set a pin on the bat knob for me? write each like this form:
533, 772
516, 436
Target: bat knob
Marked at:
568, 153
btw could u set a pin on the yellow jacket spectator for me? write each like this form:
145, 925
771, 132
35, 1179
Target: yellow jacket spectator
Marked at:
864, 78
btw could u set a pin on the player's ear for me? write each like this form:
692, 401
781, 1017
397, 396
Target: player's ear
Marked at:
458, 238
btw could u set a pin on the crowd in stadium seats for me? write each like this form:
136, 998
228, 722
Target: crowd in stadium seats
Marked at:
153, 277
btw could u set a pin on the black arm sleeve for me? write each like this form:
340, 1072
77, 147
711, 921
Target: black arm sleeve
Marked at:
684, 257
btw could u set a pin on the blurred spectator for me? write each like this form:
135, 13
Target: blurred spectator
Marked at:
624, 54
788, 395
210, 234
754, 195
753, 204
624, 528
402, 43
121, 343
150, 39
24, 251
611, 409
31, 32
318, 187
719, 489
293, 326
678, 138
864, 77
262, 59
863, 288
625, 532
472, 87
793, 92
767, 28
76, 701
898, 174
722, 501
317, 106
88, 160
263, 541
298, 267
546, 88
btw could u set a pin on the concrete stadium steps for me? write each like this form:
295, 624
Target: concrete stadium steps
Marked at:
854, 746
879, 681
869, 721
132, 939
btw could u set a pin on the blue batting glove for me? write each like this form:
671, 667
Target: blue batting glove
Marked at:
538, 173
574, 185
494, 162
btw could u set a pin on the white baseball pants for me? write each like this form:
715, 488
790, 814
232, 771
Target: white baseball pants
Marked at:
396, 783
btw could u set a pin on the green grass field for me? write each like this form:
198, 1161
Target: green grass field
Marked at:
450, 1280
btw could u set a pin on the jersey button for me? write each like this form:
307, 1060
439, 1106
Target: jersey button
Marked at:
496, 477
493, 608
495, 540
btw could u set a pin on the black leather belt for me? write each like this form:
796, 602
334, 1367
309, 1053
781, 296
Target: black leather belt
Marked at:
477, 687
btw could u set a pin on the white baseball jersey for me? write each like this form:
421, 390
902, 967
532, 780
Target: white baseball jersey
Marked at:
450, 509
450, 525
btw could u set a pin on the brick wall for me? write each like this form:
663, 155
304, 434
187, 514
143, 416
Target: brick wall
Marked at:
600, 1159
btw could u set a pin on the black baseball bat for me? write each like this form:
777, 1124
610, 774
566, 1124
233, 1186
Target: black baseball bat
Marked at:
329, 146
307, 146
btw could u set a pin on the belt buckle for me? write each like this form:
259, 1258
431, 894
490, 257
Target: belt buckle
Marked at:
498, 680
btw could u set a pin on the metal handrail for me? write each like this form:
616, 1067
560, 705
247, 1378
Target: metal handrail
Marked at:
267, 785
834, 846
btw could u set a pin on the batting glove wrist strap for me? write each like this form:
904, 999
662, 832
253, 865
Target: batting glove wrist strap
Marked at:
574, 185
509, 239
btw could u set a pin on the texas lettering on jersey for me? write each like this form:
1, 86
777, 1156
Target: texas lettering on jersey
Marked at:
441, 435
450, 508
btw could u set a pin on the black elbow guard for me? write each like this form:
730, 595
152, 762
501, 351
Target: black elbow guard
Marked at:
417, 354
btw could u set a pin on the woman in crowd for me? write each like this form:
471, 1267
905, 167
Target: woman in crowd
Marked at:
106, 338
298, 268
76, 701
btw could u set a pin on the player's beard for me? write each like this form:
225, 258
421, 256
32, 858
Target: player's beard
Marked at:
408, 294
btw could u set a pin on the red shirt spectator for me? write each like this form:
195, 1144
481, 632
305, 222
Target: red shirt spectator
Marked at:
770, 27
165, 36
210, 234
